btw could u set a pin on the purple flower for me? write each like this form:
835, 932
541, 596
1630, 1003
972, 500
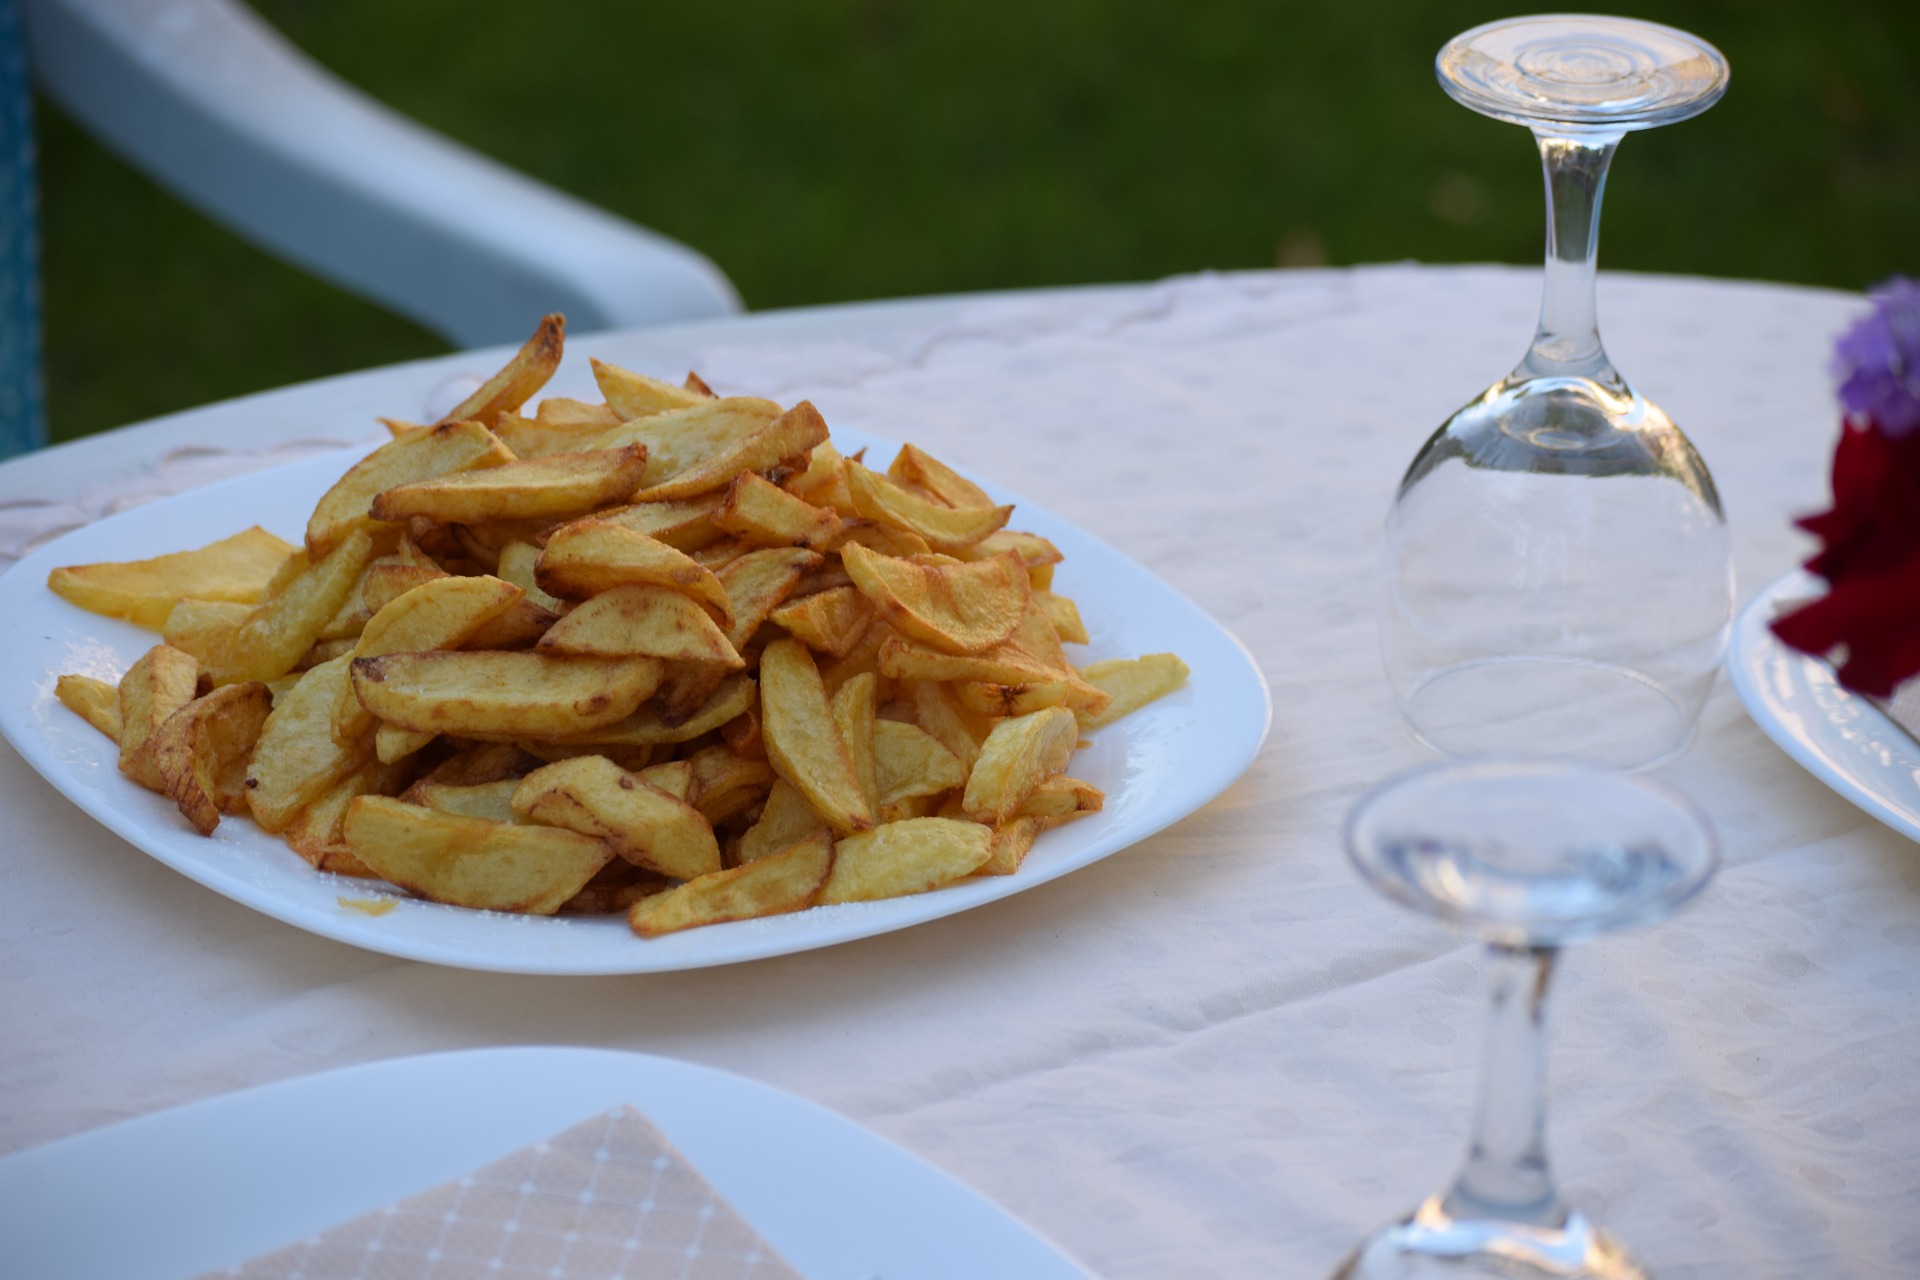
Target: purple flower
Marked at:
1878, 360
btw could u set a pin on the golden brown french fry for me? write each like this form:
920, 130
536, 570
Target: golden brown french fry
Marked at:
917, 469
635, 395
1132, 683
786, 819
521, 377
906, 857
646, 728
908, 762
235, 570
940, 715
201, 751
1016, 756
590, 556
1064, 614
773, 885
490, 800
470, 862
554, 487
803, 742
758, 583
695, 440
642, 621
200, 627
516, 565
853, 714
685, 524
296, 759
790, 435
284, 626
560, 411
314, 831
95, 701
155, 687
441, 613
759, 512
510, 695
1012, 841
954, 606
449, 448
1060, 797
944, 528
641, 823
830, 621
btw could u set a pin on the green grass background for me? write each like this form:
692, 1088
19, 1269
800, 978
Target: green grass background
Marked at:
826, 150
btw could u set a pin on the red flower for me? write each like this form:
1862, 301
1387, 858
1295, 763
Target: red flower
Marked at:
1870, 557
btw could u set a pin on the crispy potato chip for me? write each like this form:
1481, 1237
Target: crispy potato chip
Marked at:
642, 621
786, 819
904, 857
201, 751
517, 695
640, 822
916, 469
944, 528
284, 626
448, 449
95, 701
803, 742
155, 687
590, 556
830, 621
1015, 758
757, 511
470, 862
909, 761
1132, 683
236, 570
296, 759
553, 487
956, 607
521, 377
772, 885
635, 395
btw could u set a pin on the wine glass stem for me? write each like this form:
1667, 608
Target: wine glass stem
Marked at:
1567, 342
1506, 1175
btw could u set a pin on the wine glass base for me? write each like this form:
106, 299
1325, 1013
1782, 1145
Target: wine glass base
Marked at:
1431, 1245
1548, 706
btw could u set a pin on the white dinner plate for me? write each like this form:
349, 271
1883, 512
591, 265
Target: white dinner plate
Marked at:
1839, 737
1156, 766
214, 1183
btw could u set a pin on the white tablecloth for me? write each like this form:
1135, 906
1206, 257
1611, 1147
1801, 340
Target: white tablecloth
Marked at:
1216, 1054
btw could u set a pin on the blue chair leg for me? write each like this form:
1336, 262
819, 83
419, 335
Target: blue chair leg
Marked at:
22, 408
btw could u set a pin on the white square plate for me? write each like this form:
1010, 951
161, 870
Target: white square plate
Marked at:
214, 1183
1156, 766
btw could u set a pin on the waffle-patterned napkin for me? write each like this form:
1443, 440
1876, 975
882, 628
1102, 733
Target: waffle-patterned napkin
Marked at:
609, 1197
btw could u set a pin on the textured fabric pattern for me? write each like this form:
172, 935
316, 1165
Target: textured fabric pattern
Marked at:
1216, 1054
607, 1199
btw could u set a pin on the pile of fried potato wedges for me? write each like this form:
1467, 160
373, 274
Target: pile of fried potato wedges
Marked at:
671, 655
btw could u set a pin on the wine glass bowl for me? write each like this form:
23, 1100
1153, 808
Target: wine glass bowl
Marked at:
1531, 854
1558, 577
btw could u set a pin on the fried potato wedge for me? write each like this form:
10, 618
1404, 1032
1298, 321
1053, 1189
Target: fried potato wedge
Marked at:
772, 885
490, 800
201, 752
635, 395
646, 728
940, 715
695, 442
554, 487
1012, 842
830, 621
905, 857
917, 469
1016, 757
790, 435
784, 820
1060, 797
853, 709
1132, 683
590, 556
314, 832
470, 862
1064, 614
944, 528
803, 742
235, 570
1034, 551
758, 583
642, 621
450, 448
540, 437
685, 524
495, 694
296, 759
155, 687
521, 378
759, 512
954, 606
285, 625
909, 761
200, 627
516, 565
95, 701
641, 823
438, 614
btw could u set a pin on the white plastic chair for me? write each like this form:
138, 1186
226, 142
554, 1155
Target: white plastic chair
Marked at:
215, 105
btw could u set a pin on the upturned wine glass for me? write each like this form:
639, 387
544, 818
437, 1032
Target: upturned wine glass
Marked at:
1558, 577
1532, 855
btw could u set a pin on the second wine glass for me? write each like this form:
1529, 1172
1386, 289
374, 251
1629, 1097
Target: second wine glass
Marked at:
1558, 576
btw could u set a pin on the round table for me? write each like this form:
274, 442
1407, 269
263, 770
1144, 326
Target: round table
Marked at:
1216, 1054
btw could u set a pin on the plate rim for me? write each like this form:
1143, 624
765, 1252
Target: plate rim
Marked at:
1753, 643
26, 578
